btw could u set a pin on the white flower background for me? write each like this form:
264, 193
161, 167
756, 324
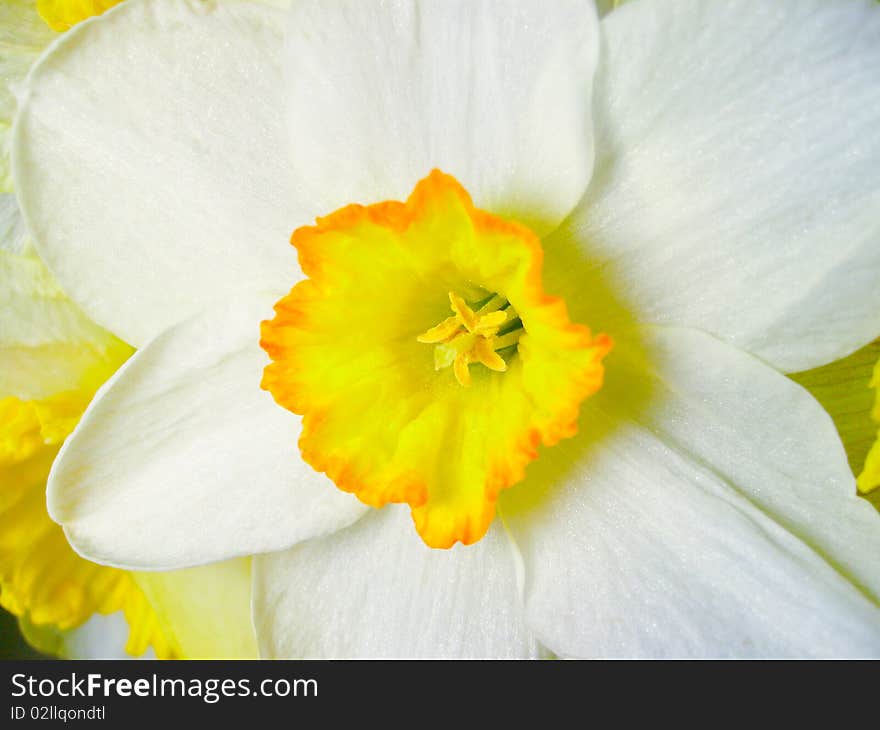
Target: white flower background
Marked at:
705, 176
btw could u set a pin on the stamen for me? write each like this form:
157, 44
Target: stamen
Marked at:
442, 332
508, 340
471, 336
462, 373
488, 324
485, 352
495, 303
463, 312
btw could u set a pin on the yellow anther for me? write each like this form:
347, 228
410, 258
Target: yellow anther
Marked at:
463, 313
485, 353
442, 332
460, 368
488, 324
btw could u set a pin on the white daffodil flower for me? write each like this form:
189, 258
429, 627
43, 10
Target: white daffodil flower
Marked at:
703, 175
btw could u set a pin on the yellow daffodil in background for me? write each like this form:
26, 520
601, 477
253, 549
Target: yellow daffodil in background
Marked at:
697, 179
869, 479
52, 360
849, 390
61, 15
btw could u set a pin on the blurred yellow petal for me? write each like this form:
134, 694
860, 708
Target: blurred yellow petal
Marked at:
47, 345
41, 577
52, 360
869, 479
47, 639
61, 15
849, 390
205, 611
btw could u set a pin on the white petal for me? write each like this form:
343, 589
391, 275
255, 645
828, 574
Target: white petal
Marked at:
13, 236
150, 160
706, 509
5, 172
376, 590
23, 35
206, 611
737, 178
497, 94
182, 459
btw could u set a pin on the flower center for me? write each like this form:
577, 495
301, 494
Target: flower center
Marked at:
474, 336
382, 416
